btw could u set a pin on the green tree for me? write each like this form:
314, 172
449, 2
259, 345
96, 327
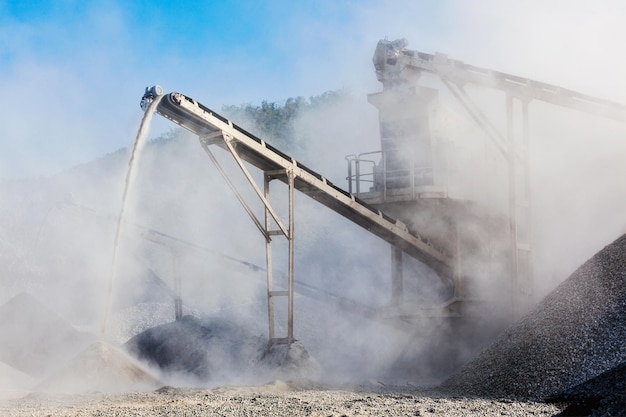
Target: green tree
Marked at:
275, 122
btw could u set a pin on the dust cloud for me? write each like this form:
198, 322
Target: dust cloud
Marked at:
184, 225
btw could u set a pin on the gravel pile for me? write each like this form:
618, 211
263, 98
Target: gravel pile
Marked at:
196, 350
576, 333
604, 395
217, 350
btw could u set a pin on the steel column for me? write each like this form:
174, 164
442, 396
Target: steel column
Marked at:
512, 205
271, 293
291, 177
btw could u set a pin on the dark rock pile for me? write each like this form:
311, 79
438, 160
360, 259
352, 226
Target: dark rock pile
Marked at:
575, 334
177, 347
217, 350
197, 351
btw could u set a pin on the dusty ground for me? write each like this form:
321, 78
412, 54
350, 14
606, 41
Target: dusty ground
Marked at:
277, 398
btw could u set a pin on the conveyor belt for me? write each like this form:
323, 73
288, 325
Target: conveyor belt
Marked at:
210, 126
394, 56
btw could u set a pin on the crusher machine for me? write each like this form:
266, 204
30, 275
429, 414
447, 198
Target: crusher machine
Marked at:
408, 178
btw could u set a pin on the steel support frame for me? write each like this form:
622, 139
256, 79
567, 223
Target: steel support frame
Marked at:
519, 206
289, 235
519, 197
267, 230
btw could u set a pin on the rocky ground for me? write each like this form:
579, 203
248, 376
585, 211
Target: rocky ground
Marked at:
277, 398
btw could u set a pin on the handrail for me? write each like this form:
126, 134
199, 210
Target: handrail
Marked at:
358, 176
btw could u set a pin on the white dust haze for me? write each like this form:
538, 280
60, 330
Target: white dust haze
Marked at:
56, 230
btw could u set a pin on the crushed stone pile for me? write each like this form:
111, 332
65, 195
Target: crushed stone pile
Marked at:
574, 334
604, 395
35, 340
191, 351
195, 350
101, 367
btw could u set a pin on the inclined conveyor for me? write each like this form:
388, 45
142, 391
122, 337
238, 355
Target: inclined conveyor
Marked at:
214, 129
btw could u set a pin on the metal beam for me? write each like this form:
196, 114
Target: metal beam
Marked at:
524, 88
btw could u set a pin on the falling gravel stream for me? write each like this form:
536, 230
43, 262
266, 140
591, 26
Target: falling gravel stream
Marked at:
130, 175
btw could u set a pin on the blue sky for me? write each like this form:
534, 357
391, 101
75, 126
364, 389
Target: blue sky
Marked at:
72, 72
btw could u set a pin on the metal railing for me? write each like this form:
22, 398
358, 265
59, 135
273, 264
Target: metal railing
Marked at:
355, 171
380, 177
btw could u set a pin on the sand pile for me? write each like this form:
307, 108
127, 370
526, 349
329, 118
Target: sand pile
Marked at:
576, 333
35, 340
100, 368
